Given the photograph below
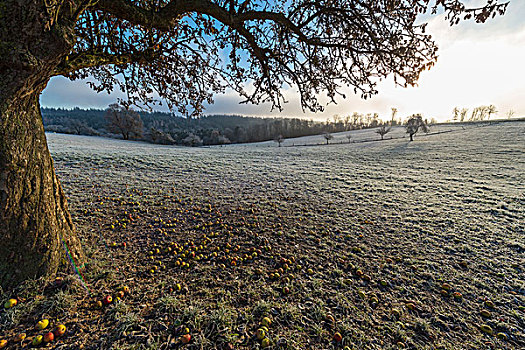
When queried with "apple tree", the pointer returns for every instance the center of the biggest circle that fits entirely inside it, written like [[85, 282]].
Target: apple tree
[[181, 53]]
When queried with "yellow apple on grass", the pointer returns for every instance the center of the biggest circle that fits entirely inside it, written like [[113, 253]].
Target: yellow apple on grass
[[485, 313], [486, 329], [489, 303], [60, 330], [3, 343], [266, 321], [42, 324], [10, 303], [261, 334], [37, 340], [265, 343], [502, 336]]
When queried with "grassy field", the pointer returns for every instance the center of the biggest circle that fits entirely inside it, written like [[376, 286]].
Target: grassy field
[[364, 245]]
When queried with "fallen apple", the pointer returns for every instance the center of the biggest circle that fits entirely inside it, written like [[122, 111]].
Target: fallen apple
[[266, 321], [19, 337], [60, 330], [485, 313], [396, 313], [10, 303], [265, 343], [37, 340], [489, 303], [338, 337], [3, 343], [486, 329], [457, 295], [502, 336], [186, 338], [49, 337], [107, 300], [42, 324], [260, 334]]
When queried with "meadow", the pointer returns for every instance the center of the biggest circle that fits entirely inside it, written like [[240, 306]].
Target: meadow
[[354, 245]]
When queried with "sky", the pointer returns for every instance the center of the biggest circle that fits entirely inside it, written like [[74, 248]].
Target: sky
[[478, 64]]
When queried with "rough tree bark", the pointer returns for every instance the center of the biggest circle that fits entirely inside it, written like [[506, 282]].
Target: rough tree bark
[[34, 218]]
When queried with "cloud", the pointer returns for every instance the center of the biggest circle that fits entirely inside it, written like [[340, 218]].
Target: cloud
[[64, 93]]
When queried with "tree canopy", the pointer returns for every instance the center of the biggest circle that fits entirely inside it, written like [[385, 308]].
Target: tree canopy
[[182, 52]]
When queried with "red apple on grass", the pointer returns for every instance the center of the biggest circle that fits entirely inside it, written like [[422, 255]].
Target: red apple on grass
[[49, 337]]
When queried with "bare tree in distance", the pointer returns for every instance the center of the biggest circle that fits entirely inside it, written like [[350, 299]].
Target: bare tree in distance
[[463, 114], [393, 119], [480, 113], [124, 121], [383, 130], [279, 139], [414, 123], [182, 52], [327, 136], [455, 113], [491, 110], [510, 114]]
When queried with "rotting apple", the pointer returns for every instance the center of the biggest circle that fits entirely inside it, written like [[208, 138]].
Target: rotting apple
[[186, 338], [338, 337], [19, 337]]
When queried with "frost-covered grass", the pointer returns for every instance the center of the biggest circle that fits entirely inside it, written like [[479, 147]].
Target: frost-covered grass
[[382, 225]]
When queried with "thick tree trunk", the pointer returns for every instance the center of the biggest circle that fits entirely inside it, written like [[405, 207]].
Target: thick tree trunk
[[35, 224]]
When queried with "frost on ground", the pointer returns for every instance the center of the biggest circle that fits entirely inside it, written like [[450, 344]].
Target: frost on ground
[[419, 220]]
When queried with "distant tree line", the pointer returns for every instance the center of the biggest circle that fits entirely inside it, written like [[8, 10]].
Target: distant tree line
[[165, 128], [479, 113]]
